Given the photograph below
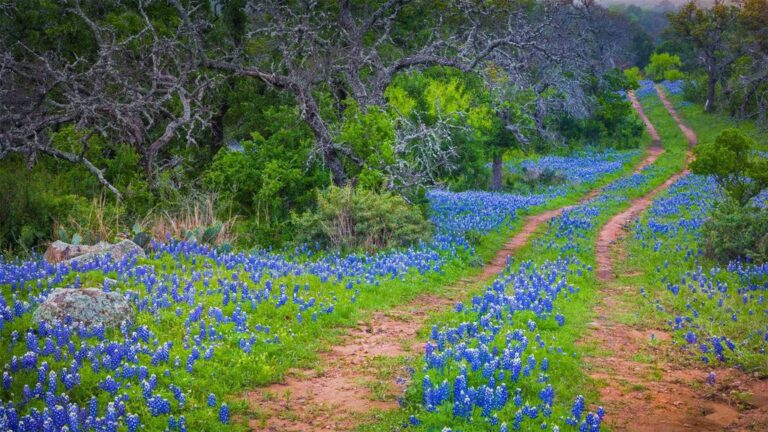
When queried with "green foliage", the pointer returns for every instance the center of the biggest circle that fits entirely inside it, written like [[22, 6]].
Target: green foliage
[[371, 137], [59, 194], [664, 66], [735, 231], [642, 47], [34, 200], [458, 99], [613, 122], [633, 76], [695, 88], [733, 161], [267, 178], [350, 219]]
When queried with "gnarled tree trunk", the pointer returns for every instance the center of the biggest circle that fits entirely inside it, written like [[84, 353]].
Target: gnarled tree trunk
[[496, 176], [709, 105]]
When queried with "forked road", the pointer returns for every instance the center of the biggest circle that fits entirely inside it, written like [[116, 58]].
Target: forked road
[[336, 397], [658, 395], [532, 223]]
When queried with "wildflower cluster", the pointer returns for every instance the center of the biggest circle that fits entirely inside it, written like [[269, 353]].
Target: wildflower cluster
[[718, 313]]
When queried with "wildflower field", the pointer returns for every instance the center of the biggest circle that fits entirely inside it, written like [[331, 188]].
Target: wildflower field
[[383, 216], [211, 324]]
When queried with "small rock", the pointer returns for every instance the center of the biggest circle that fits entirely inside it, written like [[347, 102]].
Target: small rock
[[90, 306]]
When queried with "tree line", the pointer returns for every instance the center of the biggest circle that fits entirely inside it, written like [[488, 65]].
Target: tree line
[[266, 101], [725, 49]]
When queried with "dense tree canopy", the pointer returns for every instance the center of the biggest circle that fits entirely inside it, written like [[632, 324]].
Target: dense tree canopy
[[728, 43], [393, 95]]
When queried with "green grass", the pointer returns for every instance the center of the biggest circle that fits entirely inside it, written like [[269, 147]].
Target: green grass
[[708, 126]]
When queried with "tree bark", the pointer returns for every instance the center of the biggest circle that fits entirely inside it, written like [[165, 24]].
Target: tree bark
[[310, 112], [338, 173], [497, 173], [709, 105]]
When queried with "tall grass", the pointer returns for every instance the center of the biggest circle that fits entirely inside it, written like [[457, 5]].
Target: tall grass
[[190, 217]]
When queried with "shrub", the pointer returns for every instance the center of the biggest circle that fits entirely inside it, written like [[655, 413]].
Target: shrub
[[32, 203], [347, 218], [664, 66], [263, 180], [633, 76], [732, 159], [734, 232]]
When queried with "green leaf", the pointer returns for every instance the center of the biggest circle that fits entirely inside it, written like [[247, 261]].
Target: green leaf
[[210, 234], [62, 234]]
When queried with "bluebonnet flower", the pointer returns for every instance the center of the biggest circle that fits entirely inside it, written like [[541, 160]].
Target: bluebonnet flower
[[224, 413], [158, 406], [7, 380], [578, 407], [133, 422], [109, 385], [560, 319]]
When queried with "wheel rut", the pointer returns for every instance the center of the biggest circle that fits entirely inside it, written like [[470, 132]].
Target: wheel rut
[[347, 384], [646, 385], [614, 228]]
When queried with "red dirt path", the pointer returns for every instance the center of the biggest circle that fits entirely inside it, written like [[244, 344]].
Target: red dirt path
[[641, 113], [339, 396], [648, 387], [613, 229]]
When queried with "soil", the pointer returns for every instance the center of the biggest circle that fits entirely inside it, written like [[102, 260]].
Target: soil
[[640, 113], [646, 383], [338, 397], [614, 228], [690, 135]]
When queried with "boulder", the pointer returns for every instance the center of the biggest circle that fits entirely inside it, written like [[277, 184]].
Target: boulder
[[90, 306], [125, 247], [59, 251], [67, 253]]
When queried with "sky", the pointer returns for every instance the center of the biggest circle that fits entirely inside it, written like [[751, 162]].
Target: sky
[[648, 4]]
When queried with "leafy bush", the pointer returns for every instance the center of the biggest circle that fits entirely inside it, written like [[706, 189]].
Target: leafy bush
[[633, 76], [262, 180], [347, 218], [33, 201], [735, 231], [734, 162], [612, 121], [664, 66]]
